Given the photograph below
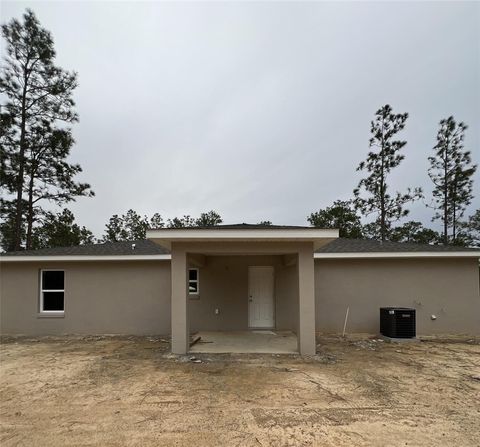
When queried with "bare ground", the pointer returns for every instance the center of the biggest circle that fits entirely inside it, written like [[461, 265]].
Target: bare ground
[[129, 391]]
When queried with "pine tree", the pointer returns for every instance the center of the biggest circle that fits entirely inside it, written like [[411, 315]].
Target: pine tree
[[414, 232], [156, 221], [7, 223], [341, 215], [380, 161], [451, 172], [48, 175], [130, 226], [60, 230], [39, 103], [182, 222], [469, 233], [209, 219], [7, 149]]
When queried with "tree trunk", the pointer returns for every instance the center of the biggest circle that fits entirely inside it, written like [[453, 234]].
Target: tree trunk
[[445, 195], [454, 212], [383, 229], [19, 199], [454, 227], [445, 217], [30, 209]]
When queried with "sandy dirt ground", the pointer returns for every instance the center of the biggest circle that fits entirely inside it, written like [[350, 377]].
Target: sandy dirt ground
[[128, 391]]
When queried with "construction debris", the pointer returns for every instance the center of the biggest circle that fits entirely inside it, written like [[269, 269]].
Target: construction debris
[[195, 340]]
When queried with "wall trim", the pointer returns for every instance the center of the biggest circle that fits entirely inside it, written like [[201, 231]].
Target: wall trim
[[168, 257], [69, 258], [386, 255]]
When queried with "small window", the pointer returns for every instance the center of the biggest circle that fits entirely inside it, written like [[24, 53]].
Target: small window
[[193, 284], [52, 290]]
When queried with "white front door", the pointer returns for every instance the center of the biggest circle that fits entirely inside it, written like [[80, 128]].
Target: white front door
[[261, 302]]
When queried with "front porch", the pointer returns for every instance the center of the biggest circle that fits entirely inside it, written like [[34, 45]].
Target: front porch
[[245, 279], [245, 342]]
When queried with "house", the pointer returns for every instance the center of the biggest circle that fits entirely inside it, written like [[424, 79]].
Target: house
[[237, 278]]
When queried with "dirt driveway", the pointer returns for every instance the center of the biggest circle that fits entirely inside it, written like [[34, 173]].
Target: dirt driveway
[[113, 391]]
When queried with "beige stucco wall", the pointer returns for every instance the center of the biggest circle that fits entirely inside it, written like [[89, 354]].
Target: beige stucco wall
[[447, 288], [287, 298], [100, 298], [224, 286], [134, 297]]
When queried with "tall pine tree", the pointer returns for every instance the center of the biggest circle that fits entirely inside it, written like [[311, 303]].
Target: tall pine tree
[[451, 172], [38, 105], [384, 156]]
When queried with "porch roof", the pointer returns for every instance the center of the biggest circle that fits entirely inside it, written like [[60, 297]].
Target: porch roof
[[243, 232]]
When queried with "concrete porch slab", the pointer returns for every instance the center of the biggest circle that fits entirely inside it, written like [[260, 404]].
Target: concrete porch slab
[[246, 342]]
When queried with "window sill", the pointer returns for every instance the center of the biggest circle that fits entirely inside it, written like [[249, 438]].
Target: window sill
[[194, 296], [51, 315]]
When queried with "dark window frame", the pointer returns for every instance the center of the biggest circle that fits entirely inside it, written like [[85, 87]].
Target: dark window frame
[[196, 282], [42, 291]]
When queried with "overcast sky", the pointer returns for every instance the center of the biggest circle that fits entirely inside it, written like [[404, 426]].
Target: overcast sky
[[260, 111]]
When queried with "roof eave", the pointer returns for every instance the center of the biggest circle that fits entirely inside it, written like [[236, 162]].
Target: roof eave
[[404, 255], [319, 237]]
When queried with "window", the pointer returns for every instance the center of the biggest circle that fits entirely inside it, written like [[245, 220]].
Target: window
[[193, 284], [52, 290]]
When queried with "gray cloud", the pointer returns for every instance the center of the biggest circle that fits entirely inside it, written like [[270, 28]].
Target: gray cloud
[[257, 110]]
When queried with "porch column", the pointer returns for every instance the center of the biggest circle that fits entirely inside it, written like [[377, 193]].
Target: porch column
[[306, 301], [180, 329]]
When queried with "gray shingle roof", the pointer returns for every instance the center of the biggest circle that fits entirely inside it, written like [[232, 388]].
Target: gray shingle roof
[[147, 247], [343, 245], [142, 247]]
